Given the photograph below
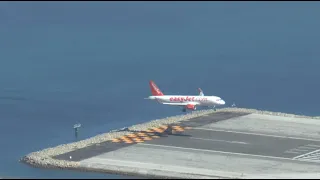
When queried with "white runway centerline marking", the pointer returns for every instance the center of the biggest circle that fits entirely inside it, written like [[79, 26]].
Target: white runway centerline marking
[[307, 147], [257, 134], [218, 140], [213, 151], [298, 158], [314, 145]]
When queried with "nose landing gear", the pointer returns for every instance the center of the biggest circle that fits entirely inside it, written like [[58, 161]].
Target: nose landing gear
[[214, 108]]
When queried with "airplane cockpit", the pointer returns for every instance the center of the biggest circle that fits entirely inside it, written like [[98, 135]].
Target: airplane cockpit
[[220, 101]]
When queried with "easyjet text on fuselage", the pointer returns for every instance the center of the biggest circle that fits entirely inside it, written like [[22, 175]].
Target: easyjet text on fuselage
[[181, 99]]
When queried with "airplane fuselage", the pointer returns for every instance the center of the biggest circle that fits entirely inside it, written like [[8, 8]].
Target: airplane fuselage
[[200, 100], [187, 102]]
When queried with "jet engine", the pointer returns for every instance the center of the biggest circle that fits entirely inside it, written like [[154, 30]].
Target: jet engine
[[191, 107]]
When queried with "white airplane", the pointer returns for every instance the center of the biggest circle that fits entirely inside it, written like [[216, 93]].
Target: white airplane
[[187, 102]]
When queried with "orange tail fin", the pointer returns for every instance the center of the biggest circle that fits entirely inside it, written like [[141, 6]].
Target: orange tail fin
[[154, 89]]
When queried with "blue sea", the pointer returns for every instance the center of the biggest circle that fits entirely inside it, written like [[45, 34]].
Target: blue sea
[[63, 63]]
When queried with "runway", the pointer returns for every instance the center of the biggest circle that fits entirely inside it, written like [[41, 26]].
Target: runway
[[96, 149], [204, 147], [252, 144]]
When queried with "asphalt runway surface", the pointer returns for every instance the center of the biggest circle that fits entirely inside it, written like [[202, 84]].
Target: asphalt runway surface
[[191, 135], [97, 149], [238, 142]]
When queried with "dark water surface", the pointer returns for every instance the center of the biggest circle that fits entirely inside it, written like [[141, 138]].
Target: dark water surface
[[89, 62]]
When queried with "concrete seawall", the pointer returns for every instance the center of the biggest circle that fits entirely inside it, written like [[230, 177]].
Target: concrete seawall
[[45, 158]]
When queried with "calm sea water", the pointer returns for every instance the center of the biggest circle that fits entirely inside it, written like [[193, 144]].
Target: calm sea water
[[89, 63]]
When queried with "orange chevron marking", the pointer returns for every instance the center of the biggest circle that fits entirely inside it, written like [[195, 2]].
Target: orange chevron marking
[[158, 130], [132, 135], [142, 134], [138, 140], [125, 138], [115, 140]]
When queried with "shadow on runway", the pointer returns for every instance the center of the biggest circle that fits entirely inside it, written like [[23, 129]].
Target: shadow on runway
[[164, 131]]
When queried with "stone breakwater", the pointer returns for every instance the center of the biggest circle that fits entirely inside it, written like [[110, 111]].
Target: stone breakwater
[[43, 158]]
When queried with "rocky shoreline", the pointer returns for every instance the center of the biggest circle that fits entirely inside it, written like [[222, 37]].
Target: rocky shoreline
[[43, 158]]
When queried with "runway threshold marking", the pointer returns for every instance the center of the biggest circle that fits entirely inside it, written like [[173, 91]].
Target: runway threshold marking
[[297, 157], [258, 134], [218, 140]]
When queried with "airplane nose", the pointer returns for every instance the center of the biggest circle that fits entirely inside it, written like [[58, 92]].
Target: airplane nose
[[222, 102]]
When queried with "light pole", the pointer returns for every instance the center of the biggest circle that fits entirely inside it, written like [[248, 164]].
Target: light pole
[[76, 129]]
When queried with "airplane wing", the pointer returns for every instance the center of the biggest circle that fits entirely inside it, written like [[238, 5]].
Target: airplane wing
[[182, 104], [200, 92]]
